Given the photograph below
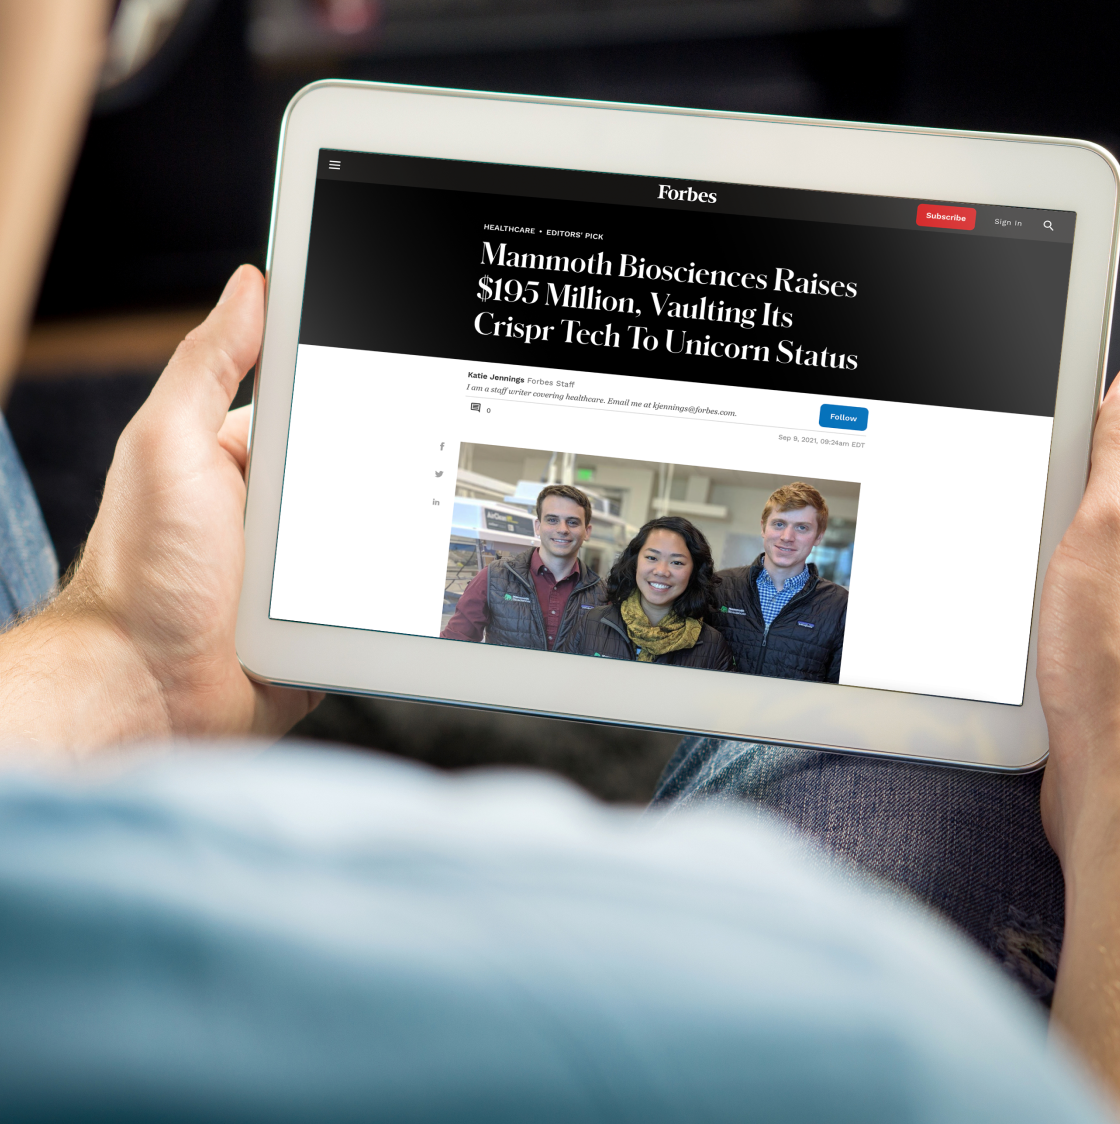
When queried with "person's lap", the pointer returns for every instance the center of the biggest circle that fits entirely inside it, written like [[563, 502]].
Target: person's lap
[[969, 844]]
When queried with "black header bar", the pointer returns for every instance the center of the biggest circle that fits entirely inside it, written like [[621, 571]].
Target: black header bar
[[696, 195], [486, 264]]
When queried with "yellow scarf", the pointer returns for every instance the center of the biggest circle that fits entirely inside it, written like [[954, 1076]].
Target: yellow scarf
[[653, 640]]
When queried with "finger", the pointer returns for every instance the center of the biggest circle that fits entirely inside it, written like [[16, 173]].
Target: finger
[[234, 435], [278, 709], [1106, 443], [207, 367]]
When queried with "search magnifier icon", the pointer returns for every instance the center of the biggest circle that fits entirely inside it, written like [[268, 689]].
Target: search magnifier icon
[[1048, 224]]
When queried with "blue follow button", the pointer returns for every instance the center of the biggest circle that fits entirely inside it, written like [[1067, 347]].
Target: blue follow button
[[843, 417]]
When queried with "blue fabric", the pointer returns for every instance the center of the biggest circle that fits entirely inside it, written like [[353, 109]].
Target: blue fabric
[[312, 936], [968, 843], [773, 600], [28, 567]]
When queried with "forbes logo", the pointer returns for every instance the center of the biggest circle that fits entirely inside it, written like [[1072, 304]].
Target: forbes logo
[[684, 194]]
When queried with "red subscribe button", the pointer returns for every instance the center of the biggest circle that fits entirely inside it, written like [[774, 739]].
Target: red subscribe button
[[955, 218]]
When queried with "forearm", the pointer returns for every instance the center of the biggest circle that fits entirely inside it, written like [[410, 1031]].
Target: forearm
[[1078, 673], [1087, 996], [70, 682], [50, 52]]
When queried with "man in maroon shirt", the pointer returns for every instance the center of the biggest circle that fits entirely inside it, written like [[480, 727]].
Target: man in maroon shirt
[[535, 599]]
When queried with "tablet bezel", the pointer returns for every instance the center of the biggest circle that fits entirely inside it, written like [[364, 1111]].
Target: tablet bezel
[[865, 159]]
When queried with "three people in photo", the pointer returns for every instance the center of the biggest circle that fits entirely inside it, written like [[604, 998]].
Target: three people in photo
[[663, 601]]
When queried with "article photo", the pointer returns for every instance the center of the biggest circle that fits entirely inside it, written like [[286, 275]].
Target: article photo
[[711, 568]]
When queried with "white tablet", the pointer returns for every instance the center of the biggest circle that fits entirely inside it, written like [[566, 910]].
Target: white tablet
[[747, 426]]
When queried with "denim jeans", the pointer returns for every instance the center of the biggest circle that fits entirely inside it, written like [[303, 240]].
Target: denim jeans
[[968, 843], [28, 567]]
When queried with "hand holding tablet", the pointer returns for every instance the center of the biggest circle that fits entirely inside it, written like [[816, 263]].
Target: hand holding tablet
[[870, 410], [139, 644]]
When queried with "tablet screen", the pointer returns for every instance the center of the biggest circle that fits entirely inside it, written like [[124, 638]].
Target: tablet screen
[[745, 430]]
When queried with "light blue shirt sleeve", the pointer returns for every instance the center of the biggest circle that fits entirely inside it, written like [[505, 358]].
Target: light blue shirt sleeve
[[319, 936]]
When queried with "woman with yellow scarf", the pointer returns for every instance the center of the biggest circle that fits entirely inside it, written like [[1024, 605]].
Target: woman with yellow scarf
[[660, 595]]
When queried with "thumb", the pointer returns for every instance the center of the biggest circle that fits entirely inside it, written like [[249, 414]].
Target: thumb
[[208, 366]]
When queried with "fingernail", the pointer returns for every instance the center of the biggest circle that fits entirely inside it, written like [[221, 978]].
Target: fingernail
[[231, 285]]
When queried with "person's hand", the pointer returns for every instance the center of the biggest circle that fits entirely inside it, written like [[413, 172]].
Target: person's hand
[[164, 559], [1079, 682], [141, 642], [1079, 656]]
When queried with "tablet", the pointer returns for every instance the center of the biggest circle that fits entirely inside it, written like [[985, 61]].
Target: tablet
[[747, 426]]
